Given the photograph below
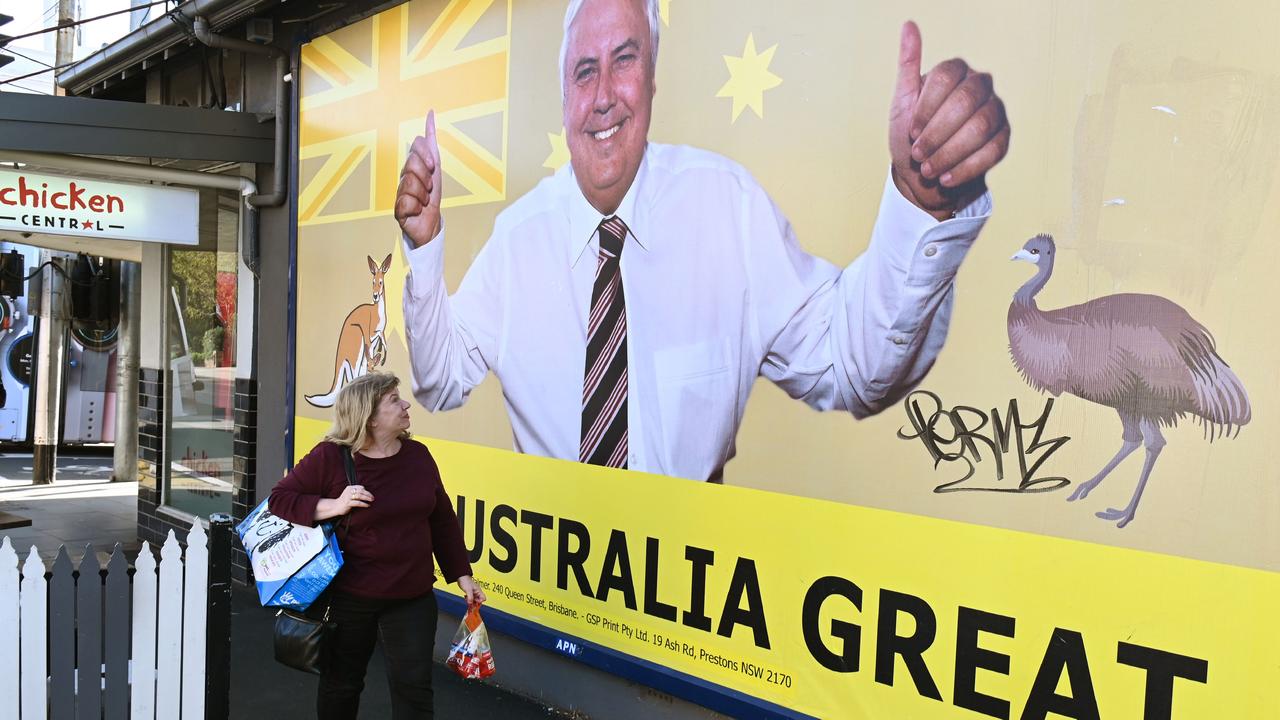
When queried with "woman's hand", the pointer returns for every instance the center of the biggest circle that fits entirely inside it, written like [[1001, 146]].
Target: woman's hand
[[355, 496], [471, 589]]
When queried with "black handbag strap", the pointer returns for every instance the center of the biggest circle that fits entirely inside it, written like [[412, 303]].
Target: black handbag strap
[[349, 463]]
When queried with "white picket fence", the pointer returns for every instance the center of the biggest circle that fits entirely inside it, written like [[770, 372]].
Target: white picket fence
[[166, 674]]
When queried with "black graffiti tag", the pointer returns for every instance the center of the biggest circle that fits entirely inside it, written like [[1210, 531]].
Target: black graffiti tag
[[961, 433]]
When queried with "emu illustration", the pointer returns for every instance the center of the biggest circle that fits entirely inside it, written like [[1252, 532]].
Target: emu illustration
[[1142, 355]]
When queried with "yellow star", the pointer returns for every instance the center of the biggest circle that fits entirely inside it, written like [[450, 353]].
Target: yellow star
[[664, 11], [749, 77], [559, 151]]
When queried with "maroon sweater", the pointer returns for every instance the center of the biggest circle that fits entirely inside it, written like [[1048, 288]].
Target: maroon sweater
[[386, 547]]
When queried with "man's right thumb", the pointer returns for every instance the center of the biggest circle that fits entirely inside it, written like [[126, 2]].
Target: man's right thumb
[[908, 61]]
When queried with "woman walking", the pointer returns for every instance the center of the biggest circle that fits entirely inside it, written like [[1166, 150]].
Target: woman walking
[[394, 518]]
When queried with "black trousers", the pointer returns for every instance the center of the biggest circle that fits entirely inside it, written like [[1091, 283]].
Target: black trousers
[[407, 631]]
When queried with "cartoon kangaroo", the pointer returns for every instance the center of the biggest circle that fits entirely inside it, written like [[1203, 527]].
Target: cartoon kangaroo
[[361, 346]]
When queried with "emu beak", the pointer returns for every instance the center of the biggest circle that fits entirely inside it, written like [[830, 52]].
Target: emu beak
[[1024, 255]]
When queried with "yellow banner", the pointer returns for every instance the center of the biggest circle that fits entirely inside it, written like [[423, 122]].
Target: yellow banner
[[957, 553], [840, 611]]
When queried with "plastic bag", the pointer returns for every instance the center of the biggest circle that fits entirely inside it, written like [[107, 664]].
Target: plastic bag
[[470, 655], [292, 564]]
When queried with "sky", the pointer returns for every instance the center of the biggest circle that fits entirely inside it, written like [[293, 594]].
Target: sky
[[30, 15]]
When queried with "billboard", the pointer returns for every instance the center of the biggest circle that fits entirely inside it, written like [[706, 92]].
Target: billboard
[[1007, 466]]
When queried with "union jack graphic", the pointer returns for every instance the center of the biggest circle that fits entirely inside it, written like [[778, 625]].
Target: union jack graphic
[[365, 91]]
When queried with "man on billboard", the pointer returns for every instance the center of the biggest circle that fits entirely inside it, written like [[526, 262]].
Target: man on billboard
[[628, 303]]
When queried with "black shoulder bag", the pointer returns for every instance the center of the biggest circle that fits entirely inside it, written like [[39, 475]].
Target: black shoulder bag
[[300, 640]]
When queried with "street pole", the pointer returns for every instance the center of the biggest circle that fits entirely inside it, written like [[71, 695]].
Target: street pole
[[66, 39], [126, 450], [51, 353], [217, 677], [50, 362]]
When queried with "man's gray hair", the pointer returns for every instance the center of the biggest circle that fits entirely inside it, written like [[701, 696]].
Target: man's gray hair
[[570, 13]]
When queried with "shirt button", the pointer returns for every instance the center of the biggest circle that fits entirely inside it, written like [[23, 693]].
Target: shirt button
[[899, 340], [931, 250]]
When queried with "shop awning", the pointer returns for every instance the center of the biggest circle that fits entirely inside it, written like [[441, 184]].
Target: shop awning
[[86, 126]]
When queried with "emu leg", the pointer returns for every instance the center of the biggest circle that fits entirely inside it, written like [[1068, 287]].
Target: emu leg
[[1132, 439], [1155, 442]]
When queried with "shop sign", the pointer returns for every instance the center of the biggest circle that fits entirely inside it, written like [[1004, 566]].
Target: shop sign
[[86, 207]]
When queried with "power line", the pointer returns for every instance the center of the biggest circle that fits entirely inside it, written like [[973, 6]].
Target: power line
[[145, 17], [28, 57], [74, 23], [60, 26], [6, 81], [33, 90], [53, 7]]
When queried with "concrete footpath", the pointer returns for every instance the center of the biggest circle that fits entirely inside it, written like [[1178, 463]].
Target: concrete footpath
[[262, 688], [82, 508]]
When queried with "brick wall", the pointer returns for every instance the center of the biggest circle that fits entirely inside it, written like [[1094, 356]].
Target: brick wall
[[152, 526], [245, 467]]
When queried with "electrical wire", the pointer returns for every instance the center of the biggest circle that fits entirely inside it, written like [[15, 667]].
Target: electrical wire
[[36, 91], [62, 26], [8, 81], [74, 23], [28, 57]]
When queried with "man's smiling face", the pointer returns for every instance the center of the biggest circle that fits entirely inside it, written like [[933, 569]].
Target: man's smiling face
[[608, 98]]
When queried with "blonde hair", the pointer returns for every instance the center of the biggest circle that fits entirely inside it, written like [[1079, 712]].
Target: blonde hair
[[356, 405]]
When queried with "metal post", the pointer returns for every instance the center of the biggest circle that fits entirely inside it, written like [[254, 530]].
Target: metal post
[[126, 450], [217, 683], [50, 363]]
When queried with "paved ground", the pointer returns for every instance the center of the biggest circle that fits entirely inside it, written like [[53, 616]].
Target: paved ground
[[84, 508], [262, 688]]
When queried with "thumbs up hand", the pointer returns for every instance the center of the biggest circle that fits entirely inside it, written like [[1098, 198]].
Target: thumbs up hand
[[946, 130], [417, 205]]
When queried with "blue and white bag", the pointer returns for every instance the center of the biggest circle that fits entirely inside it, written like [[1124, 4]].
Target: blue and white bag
[[292, 563]]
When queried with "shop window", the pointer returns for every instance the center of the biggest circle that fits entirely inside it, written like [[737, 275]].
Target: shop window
[[201, 330]]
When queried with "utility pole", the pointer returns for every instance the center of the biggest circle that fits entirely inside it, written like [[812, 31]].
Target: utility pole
[[126, 450], [51, 361], [52, 351], [65, 48]]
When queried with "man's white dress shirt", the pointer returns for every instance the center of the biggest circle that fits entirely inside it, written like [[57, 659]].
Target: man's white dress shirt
[[718, 292]]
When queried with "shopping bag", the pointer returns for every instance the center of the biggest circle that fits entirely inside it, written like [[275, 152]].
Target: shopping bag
[[292, 564], [470, 655]]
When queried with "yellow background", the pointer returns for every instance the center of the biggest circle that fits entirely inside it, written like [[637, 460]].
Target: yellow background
[[1222, 614], [1083, 83]]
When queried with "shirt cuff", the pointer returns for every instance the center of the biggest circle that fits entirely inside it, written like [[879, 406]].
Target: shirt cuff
[[426, 265], [452, 574], [928, 251]]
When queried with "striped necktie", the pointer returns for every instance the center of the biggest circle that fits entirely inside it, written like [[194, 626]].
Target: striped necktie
[[604, 388]]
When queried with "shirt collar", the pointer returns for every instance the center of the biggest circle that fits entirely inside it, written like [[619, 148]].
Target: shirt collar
[[584, 219]]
